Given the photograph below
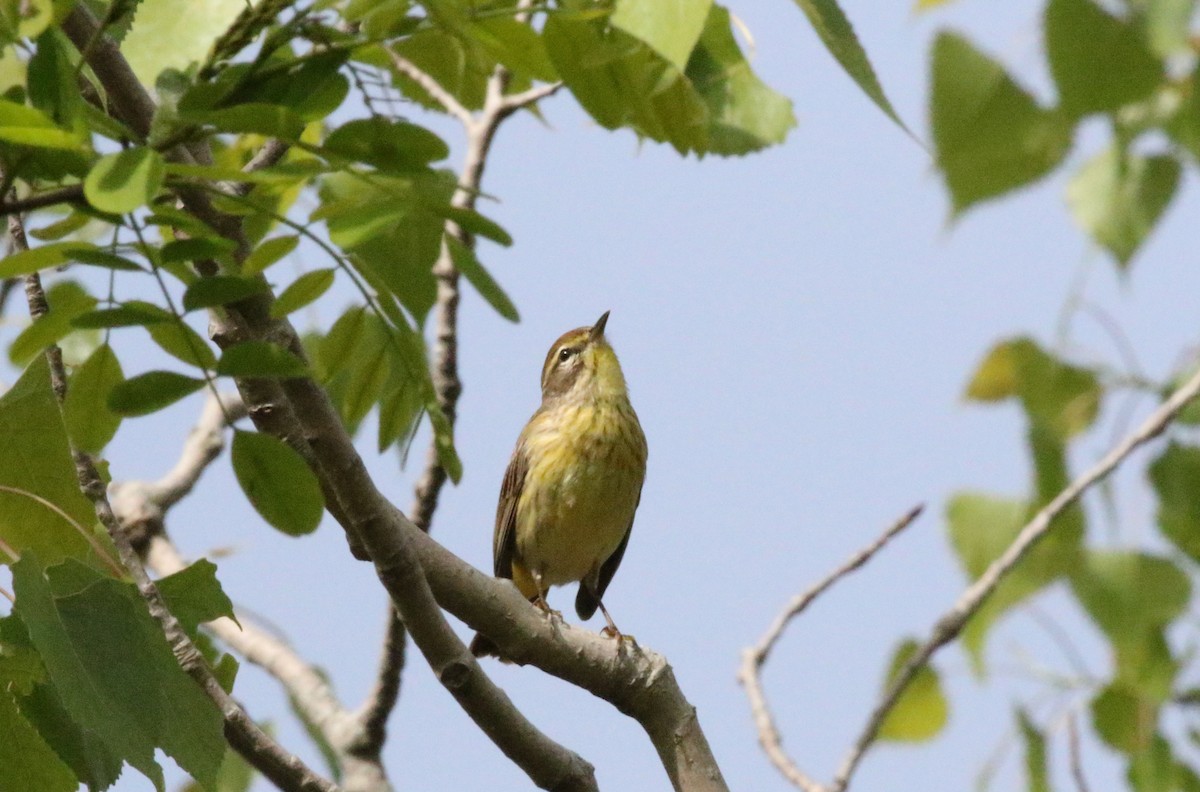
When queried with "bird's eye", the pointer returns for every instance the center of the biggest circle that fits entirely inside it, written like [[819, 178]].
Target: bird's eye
[[565, 353]]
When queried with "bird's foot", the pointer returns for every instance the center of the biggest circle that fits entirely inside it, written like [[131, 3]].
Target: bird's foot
[[551, 614]]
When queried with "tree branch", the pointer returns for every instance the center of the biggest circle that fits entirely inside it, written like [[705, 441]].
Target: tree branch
[[285, 770], [431, 86], [70, 194], [754, 657], [141, 508], [951, 623], [480, 132]]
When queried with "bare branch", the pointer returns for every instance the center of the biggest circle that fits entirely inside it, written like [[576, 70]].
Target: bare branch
[[431, 86], [285, 770], [514, 102], [951, 623], [141, 508], [755, 656], [1073, 752], [271, 153], [69, 194]]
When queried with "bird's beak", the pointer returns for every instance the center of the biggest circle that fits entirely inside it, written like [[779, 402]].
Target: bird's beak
[[597, 331]]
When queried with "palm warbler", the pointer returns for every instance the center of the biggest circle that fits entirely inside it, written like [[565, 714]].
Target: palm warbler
[[574, 481]]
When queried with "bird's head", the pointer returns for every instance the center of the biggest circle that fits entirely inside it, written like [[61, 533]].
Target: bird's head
[[580, 364]]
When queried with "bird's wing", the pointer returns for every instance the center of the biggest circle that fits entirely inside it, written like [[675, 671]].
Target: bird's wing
[[504, 541], [609, 567]]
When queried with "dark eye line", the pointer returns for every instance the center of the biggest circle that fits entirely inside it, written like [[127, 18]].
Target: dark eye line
[[565, 353]]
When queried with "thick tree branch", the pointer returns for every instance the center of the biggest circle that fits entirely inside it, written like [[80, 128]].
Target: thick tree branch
[[755, 656], [415, 569], [285, 770], [480, 132], [359, 506], [951, 623]]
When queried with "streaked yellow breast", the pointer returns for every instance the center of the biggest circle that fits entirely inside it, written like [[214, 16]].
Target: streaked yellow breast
[[586, 464]]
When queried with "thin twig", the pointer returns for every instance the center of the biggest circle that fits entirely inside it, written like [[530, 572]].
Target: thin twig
[[259, 749], [432, 87], [514, 102], [1074, 756], [755, 656], [70, 194], [142, 506], [951, 623]]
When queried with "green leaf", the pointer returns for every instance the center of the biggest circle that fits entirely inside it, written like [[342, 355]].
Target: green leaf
[[1123, 719], [67, 300], [393, 146], [1035, 753], [1130, 594], [60, 228], [151, 392], [194, 595], [981, 528], [267, 253], [1166, 24], [260, 359], [277, 482], [670, 27], [1118, 198], [518, 46], [303, 291], [220, 290], [269, 120], [745, 114], [391, 230], [1098, 61], [179, 340], [1063, 398], [470, 268], [473, 222], [114, 671], [90, 423], [132, 314], [82, 750], [989, 134], [121, 182], [622, 82], [1174, 476], [51, 79], [27, 126], [35, 458], [39, 258], [26, 761], [162, 37], [835, 32], [921, 711], [102, 258], [443, 440], [196, 249], [460, 69], [399, 408]]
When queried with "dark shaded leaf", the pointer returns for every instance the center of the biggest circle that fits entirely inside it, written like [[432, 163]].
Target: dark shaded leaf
[[277, 482], [220, 290], [151, 392], [260, 359], [470, 268], [90, 423]]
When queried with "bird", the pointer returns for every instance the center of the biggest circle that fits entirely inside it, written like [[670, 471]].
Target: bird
[[574, 482]]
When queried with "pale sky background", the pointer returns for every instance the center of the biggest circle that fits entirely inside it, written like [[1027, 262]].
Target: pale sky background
[[796, 328]]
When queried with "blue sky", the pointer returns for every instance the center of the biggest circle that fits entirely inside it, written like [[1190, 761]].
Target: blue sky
[[796, 328]]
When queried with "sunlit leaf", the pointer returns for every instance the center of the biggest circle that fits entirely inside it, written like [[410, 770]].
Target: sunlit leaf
[[122, 182], [670, 28], [989, 134], [922, 710], [1118, 198]]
